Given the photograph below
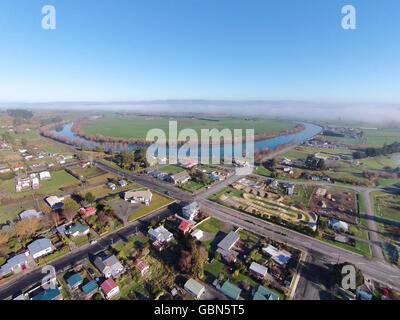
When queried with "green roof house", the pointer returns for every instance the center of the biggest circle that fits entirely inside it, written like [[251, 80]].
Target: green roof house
[[89, 287], [75, 280], [262, 293], [78, 230], [230, 290], [50, 294]]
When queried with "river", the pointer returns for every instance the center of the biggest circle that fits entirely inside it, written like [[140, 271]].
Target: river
[[310, 131]]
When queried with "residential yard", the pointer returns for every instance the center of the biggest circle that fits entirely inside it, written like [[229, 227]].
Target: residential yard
[[157, 202], [191, 186], [212, 225], [172, 168]]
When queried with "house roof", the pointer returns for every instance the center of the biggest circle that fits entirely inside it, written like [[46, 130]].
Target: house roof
[[87, 211], [279, 256], [180, 176], [13, 262], [74, 279], [190, 208], [229, 241], [140, 264], [77, 228], [39, 245], [194, 286], [231, 290], [160, 233], [185, 225], [28, 214], [145, 194], [339, 224], [108, 285], [89, 287], [258, 268], [49, 294], [263, 293]]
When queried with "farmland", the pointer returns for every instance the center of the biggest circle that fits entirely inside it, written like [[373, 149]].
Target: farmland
[[137, 126]]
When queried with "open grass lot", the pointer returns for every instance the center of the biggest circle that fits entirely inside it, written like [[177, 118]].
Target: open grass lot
[[211, 225], [262, 171], [137, 126], [172, 168], [58, 180], [372, 137], [387, 205], [157, 202], [191, 186]]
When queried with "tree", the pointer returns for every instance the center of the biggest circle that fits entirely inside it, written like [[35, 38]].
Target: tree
[[89, 197], [185, 261], [26, 228], [321, 164], [4, 237], [69, 214]]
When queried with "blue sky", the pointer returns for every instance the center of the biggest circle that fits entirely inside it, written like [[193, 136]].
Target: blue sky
[[120, 50]]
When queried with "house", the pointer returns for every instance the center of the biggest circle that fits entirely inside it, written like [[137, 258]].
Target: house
[[109, 266], [185, 226], [179, 178], [84, 164], [75, 280], [198, 234], [15, 264], [338, 225], [44, 175], [225, 247], [143, 196], [110, 288], [258, 269], [77, 230], [89, 287], [111, 185], [230, 290], [28, 157], [160, 234], [315, 178], [341, 238], [49, 164], [142, 266], [289, 188], [29, 214], [189, 164], [49, 294], [35, 183], [195, 288], [88, 212], [40, 247], [122, 183], [363, 295], [321, 192], [281, 257], [190, 211], [18, 167], [22, 150], [229, 241], [55, 202], [260, 292], [273, 183], [4, 169]]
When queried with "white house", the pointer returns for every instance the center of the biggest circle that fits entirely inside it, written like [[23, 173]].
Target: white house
[[338, 225], [161, 234], [198, 234], [195, 288], [15, 264], [40, 247], [44, 175], [55, 202], [143, 196], [258, 269], [29, 214], [279, 256], [190, 211]]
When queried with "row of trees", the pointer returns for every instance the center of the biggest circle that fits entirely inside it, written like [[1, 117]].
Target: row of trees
[[193, 258], [373, 152]]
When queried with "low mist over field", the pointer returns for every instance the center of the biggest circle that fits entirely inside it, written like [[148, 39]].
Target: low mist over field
[[278, 109]]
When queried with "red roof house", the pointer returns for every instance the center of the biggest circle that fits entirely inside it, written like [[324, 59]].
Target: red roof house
[[185, 226], [87, 211], [141, 266], [110, 288]]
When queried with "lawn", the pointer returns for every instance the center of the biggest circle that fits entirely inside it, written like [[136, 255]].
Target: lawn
[[387, 205], [212, 225], [157, 202], [172, 169], [138, 126], [191, 186], [262, 171], [58, 180]]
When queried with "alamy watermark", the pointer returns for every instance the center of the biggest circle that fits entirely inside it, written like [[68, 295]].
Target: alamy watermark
[[226, 146], [49, 20], [349, 277]]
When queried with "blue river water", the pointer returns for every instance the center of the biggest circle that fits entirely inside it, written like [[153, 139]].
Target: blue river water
[[310, 131]]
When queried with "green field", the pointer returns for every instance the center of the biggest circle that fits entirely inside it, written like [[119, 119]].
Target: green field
[[58, 180], [212, 225], [387, 205], [172, 169], [191, 186], [372, 137], [138, 126]]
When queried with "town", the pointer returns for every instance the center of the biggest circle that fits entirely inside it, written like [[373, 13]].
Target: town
[[118, 227]]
